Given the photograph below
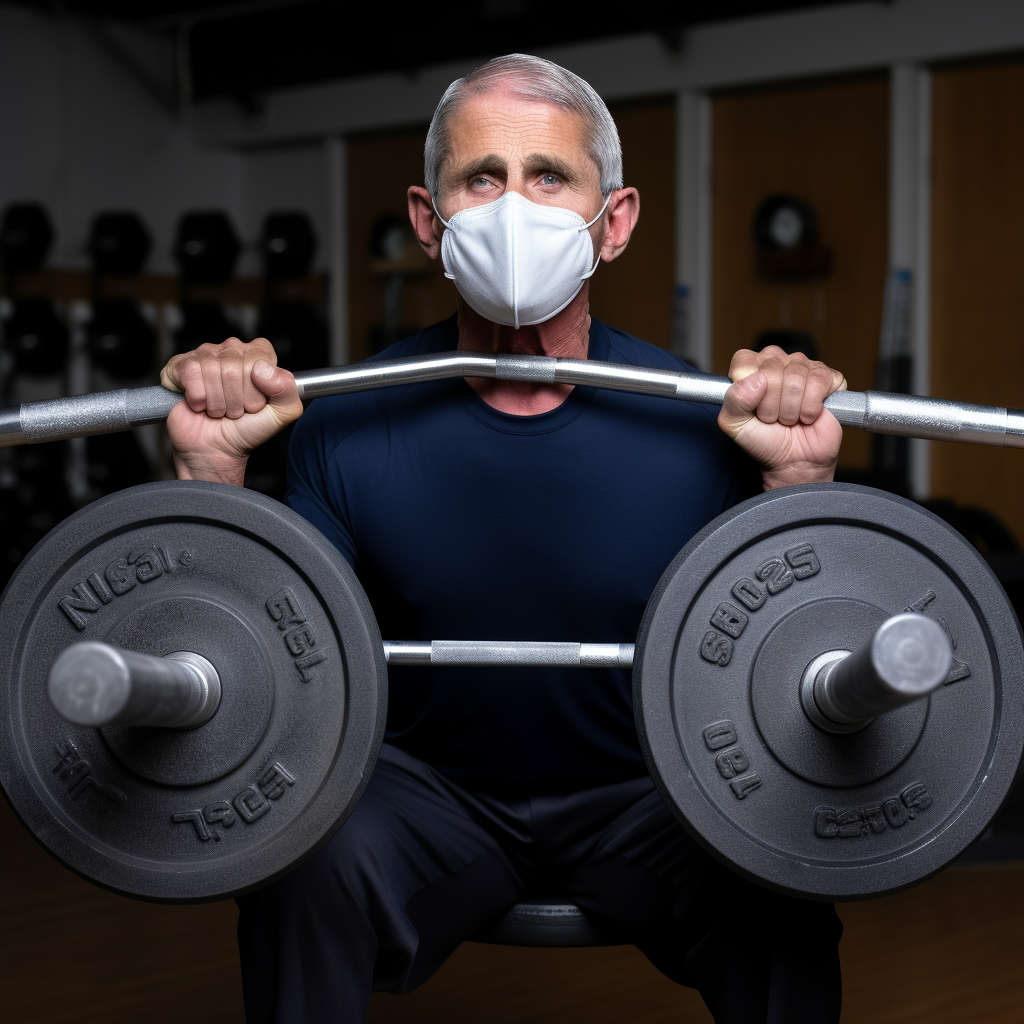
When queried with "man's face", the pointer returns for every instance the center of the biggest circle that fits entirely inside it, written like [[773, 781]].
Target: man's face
[[503, 143]]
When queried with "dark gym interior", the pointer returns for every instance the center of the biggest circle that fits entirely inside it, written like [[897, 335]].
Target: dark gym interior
[[177, 172]]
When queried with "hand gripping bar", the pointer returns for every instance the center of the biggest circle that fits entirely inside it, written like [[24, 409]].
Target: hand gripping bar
[[904, 415]]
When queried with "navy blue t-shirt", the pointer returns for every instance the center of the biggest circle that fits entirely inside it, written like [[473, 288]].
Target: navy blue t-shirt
[[466, 523]]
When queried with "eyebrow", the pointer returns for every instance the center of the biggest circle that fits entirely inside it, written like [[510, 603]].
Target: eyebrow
[[542, 162], [533, 163], [491, 162]]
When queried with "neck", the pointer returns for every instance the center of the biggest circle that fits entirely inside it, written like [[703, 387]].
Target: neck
[[566, 336]]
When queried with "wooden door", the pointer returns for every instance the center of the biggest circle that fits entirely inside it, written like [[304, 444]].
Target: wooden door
[[978, 273], [634, 291]]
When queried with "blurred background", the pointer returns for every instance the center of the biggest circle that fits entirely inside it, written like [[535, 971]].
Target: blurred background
[[840, 178]]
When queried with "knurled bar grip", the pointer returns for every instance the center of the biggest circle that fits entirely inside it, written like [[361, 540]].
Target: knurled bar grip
[[904, 415], [509, 653]]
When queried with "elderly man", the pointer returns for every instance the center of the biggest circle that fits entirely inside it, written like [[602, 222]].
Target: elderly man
[[495, 509]]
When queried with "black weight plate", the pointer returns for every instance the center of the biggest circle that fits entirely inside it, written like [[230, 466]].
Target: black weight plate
[[208, 813], [801, 571]]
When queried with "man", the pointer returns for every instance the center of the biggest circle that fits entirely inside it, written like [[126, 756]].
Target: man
[[494, 509]]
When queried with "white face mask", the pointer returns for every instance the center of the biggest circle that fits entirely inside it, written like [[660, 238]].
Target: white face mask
[[515, 262]]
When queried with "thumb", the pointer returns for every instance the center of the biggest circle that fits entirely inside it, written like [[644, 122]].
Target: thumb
[[276, 383], [741, 402], [281, 391]]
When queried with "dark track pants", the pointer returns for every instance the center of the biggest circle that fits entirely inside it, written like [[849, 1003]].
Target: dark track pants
[[422, 864]]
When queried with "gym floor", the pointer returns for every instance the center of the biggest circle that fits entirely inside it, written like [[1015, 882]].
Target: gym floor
[[948, 951]]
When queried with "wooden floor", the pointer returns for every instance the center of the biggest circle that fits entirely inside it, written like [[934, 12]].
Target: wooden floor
[[947, 952]]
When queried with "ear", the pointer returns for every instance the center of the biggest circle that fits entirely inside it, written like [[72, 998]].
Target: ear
[[425, 222], [621, 217]]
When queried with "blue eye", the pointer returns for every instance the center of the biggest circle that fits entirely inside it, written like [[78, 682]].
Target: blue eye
[[550, 179]]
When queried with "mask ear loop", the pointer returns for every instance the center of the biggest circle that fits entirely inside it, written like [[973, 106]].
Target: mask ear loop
[[437, 212], [590, 273]]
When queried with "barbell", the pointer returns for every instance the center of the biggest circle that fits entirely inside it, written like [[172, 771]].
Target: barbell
[[881, 412], [828, 688]]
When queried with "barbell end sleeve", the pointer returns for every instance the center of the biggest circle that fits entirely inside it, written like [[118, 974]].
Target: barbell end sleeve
[[97, 684], [907, 658]]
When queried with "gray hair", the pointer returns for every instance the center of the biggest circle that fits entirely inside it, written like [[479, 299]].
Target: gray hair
[[532, 78]]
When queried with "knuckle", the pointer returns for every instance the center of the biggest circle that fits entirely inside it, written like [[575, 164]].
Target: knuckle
[[190, 371], [231, 369]]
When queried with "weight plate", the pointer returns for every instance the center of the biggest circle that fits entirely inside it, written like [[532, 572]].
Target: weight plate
[[212, 812], [733, 624]]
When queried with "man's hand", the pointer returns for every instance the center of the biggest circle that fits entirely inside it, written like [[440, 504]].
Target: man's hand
[[236, 397], [774, 412]]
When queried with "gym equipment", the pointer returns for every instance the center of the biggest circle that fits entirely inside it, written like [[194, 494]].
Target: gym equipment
[[827, 682], [37, 337], [769, 753], [547, 653], [200, 587], [26, 235], [118, 243], [121, 341], [206, 248], [287, 245], [547, 922], [902, 415]]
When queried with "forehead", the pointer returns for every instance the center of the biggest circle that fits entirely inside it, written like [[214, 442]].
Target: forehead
[[510, 126]]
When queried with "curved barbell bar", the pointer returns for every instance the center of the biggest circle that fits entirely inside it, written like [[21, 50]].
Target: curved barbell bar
[[878, 411]]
